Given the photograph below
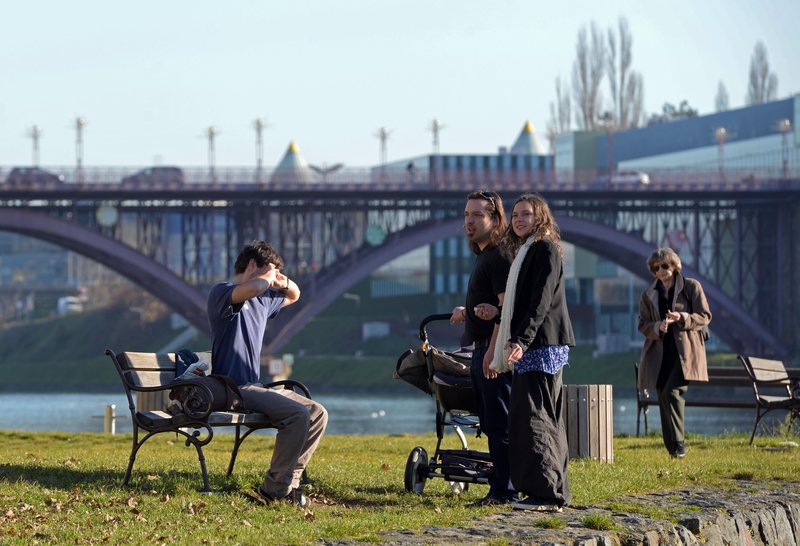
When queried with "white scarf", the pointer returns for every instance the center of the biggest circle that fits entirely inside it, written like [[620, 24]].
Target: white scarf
[[500, 361]]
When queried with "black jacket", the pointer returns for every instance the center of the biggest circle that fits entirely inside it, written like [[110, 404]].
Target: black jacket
[[540, 304]]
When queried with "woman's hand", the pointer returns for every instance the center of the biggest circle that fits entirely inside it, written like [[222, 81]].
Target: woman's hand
[[488, 373], [514, 352], [459, 315]]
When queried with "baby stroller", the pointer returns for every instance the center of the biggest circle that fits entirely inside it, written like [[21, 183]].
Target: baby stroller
[[445, 377]]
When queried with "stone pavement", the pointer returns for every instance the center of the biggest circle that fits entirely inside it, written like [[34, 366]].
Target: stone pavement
[[757, 513]]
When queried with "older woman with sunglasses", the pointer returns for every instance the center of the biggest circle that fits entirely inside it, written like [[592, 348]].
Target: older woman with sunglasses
[[673, 316]]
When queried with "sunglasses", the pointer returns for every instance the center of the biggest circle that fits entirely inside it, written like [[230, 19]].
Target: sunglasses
[[489, 197], [661, 266]]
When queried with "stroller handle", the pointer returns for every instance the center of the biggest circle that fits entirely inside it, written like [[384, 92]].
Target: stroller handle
[[423, 335]]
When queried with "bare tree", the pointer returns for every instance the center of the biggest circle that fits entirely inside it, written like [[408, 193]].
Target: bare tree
[[634, 101], [561, 111], [587, 75], [763, 84], [627, 93], [560, 115], [721, 99]]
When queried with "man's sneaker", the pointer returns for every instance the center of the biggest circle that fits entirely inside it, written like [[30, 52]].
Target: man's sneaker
[[295, 497], [536, 505]]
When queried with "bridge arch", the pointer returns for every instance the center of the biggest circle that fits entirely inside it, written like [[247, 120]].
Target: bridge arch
[[157, 279], [731, 322]]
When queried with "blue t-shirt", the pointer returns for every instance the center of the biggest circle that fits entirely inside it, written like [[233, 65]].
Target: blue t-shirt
[[237, 331]]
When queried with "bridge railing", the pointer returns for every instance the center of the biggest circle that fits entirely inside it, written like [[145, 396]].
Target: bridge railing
[[199, 179]]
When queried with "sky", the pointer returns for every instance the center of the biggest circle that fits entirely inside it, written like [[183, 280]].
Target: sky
[[150, 77]]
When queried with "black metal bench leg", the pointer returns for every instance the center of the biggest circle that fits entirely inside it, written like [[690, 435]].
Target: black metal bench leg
[[132, 458], [646, 410], [755, 426], [235, 452], [206, 486], [638, 417]]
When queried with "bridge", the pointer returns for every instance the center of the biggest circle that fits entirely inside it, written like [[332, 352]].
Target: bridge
[[736, 230]]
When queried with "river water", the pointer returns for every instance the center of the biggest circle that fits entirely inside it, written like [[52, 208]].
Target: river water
[[353, 413]]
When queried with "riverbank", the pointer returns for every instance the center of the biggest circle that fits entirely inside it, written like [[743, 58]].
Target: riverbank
[[753, 512]]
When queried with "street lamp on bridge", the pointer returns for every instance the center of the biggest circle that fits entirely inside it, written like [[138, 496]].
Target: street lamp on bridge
[[436, 127], [784, 126], [80, 123], [259, 125], [211, 134], [35, 132], [382, 134], [720, 134]]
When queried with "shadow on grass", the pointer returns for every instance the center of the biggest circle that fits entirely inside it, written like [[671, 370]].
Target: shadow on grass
[[69, 478]]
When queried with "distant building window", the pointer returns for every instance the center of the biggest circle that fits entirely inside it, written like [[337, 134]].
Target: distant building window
[[452, 247]]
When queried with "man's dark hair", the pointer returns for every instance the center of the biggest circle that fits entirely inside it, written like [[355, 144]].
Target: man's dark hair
[[260, 251]]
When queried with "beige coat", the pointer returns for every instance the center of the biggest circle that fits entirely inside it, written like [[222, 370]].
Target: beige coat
[[690, 301]]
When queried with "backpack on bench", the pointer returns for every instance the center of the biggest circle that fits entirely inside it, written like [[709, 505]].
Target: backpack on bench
[[193, 400]]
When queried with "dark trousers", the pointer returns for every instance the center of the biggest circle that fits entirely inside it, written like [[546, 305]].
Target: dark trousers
[[671, 387], [491, 400], [538, 437]]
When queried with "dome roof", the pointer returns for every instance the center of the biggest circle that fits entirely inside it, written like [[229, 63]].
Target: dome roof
[[292, 168], [527, 142]]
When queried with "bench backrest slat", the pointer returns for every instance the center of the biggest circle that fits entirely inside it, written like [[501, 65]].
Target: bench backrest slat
[[147, 361], [149, 378], [764, 369]]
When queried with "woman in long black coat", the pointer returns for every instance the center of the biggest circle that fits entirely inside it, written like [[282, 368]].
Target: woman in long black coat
[[534, 338]]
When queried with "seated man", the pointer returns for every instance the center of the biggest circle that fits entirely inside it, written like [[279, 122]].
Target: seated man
[[238, 312]]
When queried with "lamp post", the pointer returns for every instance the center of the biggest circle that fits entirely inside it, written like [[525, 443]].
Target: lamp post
[[720, 134], [211, 134], [608, 121], [80, 123], [382, 134], [436, 127], [784, 126], [35, 132], [259, 125]]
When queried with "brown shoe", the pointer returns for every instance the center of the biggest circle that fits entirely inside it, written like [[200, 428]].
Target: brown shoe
[[295, 496]]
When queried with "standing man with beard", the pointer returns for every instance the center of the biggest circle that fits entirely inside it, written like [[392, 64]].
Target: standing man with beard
[[485, 223]]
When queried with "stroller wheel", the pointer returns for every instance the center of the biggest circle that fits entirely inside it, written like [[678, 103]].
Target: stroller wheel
[[458, 487], [416, 469]]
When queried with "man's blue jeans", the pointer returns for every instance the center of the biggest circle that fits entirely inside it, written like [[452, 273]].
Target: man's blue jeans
[[491, 397]]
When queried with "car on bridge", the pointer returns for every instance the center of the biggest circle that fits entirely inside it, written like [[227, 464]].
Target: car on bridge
[[32, 176], [624, 177], [154, 177]]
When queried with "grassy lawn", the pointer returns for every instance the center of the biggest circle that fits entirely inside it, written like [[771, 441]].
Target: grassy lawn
[[65, 487]]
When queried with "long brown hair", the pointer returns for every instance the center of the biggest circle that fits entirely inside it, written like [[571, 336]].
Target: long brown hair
[[544, 227], [495, 208]]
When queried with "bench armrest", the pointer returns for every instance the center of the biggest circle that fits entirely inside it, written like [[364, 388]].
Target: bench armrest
[[296, 386], [196, 398]]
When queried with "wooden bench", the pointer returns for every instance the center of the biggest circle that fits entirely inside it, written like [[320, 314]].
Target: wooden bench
[[152, 376], [725, 389], [774, 387]]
